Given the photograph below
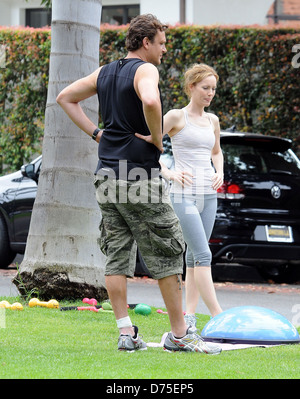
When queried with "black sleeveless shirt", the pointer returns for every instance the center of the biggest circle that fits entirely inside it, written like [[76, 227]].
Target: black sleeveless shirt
[[122, 115]]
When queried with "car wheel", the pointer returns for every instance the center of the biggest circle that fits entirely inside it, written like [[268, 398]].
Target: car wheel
[[281, 274], [6, 254]]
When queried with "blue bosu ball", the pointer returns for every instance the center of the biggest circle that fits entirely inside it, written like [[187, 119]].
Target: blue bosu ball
[[250, 325]]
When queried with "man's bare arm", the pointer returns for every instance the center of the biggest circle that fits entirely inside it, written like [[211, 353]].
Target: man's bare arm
[[146, 86], [70, 97]]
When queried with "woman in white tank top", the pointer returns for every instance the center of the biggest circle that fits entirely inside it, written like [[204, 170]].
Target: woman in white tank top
[[195, 138]]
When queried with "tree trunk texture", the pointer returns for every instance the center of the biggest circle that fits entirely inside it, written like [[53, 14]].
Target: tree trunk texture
[[62, 257]]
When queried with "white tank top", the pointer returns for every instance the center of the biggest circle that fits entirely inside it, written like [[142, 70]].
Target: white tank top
[[192, 148]]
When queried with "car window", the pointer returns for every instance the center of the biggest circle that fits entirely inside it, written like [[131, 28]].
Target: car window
[[249, 159]]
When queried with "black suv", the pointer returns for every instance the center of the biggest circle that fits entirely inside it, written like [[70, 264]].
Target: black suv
[[258, 216]]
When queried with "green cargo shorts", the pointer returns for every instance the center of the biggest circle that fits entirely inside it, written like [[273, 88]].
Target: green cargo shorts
[[139, 214]]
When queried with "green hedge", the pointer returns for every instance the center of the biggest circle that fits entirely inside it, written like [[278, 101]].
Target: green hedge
[[258, 89], [23, 94]]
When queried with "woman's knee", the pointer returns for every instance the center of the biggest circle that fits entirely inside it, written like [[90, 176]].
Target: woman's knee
[[204, 259]]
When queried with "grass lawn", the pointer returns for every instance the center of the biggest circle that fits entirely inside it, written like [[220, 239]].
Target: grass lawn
[[41, 343]]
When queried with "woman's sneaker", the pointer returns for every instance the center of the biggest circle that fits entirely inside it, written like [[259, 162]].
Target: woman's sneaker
[[130, 343], [191, 342]]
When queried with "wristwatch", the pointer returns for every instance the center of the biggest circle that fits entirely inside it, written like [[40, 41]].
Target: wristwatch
[[95, 133]]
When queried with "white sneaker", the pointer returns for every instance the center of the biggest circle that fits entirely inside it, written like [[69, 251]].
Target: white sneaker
[[191, 342]]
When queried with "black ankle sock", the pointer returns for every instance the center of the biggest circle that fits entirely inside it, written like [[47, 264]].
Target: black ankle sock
[[182, 336]]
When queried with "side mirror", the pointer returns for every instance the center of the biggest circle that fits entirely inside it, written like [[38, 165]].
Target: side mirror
[[29, 171]]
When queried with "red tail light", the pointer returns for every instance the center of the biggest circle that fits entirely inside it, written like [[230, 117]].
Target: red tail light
[[230, 191], [215, 241]]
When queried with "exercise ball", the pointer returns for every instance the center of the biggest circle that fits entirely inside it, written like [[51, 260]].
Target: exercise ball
[[250, 325]]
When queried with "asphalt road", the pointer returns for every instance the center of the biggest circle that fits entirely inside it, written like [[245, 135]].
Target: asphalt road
[[234, 287], [283, 299]]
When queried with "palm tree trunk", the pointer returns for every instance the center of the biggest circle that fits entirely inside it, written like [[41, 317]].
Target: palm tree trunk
[[62, 258]]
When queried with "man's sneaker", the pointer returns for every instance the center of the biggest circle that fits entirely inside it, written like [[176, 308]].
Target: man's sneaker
[[191, 342], [131, 343], [191, 321]]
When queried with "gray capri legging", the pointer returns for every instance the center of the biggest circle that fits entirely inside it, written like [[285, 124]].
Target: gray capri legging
[[196, 213]]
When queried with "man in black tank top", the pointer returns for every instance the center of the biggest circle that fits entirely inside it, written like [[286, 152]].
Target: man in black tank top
[[122, 115], [136, 210]]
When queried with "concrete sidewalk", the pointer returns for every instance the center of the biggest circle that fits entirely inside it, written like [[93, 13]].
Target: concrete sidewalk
[[7, 288]]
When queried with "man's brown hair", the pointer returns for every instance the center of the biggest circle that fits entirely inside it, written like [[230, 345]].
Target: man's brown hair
[[140, 27]]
